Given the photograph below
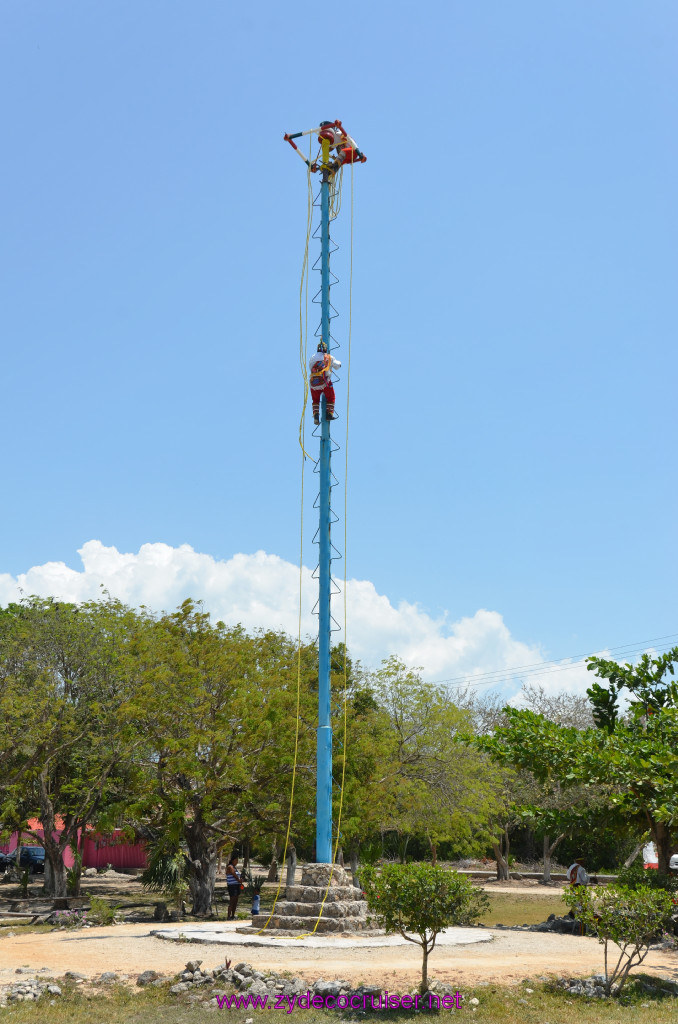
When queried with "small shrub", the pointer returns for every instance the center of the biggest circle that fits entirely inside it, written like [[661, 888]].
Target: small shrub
[[636, 877], [69, 918], [101, 912], [421, 899], [253, 883], [631, 919]]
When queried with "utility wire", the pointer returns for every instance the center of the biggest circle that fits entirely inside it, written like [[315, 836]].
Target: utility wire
[[556, 665]]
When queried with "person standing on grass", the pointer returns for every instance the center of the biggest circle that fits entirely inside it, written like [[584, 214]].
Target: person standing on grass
[[234, 883], [576, 873]]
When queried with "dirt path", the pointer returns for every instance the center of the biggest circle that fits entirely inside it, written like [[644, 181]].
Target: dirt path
[[130, 949]]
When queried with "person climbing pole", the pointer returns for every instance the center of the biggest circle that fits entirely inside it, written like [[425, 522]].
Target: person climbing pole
[[322, 364]]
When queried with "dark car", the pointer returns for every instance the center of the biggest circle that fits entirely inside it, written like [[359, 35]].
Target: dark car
[[32, 857]]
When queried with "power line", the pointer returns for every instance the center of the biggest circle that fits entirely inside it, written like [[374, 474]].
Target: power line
[[547, 667]]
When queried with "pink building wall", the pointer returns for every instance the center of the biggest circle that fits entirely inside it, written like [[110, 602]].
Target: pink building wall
[[113, 849]]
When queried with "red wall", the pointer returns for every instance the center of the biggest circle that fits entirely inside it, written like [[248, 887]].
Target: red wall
[[99, 850], [114, 850]]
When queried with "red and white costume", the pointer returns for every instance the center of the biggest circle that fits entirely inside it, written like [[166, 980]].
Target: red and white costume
[[321, 365]]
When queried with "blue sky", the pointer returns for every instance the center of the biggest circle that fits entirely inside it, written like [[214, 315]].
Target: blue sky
[[512, 426]]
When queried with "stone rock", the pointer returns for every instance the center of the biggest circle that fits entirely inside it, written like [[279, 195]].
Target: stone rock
[[474, 1002], [161, 912], [54, 990], [326, 988], [258, 988], [145, 978], [244, 969], [110, 977], [89, 872], [323, 875], [193, 966], [178, 989], [75, 976]]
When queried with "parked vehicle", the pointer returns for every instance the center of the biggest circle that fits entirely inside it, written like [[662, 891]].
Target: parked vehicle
[[32, 857]]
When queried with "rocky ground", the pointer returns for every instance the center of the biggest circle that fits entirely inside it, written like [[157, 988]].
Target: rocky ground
[[221, 986], [128, 950]]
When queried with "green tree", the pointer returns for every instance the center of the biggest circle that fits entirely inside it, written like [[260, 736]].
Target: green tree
[[419, 900], [67, 674], [630, 758], [439, 787], [631, 919], [218, 710]]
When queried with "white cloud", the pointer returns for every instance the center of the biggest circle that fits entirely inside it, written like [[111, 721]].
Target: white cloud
[[262, 590]]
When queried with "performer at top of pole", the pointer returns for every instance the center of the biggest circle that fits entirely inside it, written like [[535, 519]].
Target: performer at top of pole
[[345, 149]]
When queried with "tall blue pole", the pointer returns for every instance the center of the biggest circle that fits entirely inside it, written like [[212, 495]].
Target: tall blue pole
[[323, 839]]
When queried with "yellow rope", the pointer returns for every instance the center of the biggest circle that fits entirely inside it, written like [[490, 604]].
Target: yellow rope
[[303, 327]]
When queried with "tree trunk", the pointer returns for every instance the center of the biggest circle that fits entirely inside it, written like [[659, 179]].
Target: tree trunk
[[546, 876], [245, 854], [291, 865], [340, 857], [549, 850], [632, 856], [57, 884], [53, 849], [202, 861], [273, 870], [662, 840], [502, 863], [424, 970], [354, 864], [434, 852]]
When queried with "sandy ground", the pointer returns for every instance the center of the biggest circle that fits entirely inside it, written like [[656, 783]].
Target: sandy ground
[[129, 949]]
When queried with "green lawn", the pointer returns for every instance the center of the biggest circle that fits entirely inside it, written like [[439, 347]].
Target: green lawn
[[515, 908]]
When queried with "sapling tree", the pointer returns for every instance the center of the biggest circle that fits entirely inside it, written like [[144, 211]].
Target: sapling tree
[[418, 901], [630, 919]]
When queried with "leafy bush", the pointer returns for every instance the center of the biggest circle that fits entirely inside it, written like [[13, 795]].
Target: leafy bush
[[421, 899], [253, 883], [73, 876], [166, 869], [100, 911], [631, 919], [636, 877]]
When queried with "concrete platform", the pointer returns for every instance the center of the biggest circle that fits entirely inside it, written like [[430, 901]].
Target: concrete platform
[[224, 932]]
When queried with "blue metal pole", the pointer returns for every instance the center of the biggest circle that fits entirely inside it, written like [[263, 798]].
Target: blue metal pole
[[324, 767]]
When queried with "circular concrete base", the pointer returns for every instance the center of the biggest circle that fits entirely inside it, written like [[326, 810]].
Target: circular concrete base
[[225, 932]]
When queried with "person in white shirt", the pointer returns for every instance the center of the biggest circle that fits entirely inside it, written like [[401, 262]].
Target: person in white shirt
[[322, 364], [576, 873]]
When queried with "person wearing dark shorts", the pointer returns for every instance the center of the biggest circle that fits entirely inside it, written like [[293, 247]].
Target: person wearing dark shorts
[[234, 883]]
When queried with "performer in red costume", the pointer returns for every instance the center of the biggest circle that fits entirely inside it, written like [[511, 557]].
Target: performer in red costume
[[322, 364]]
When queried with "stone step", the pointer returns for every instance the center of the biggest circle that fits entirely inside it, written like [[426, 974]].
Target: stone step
[[358, 908], [290, 933], [316, 893], [306, 924]]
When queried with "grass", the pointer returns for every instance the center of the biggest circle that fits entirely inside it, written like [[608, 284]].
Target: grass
[[515, 908], [496, 1005]]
